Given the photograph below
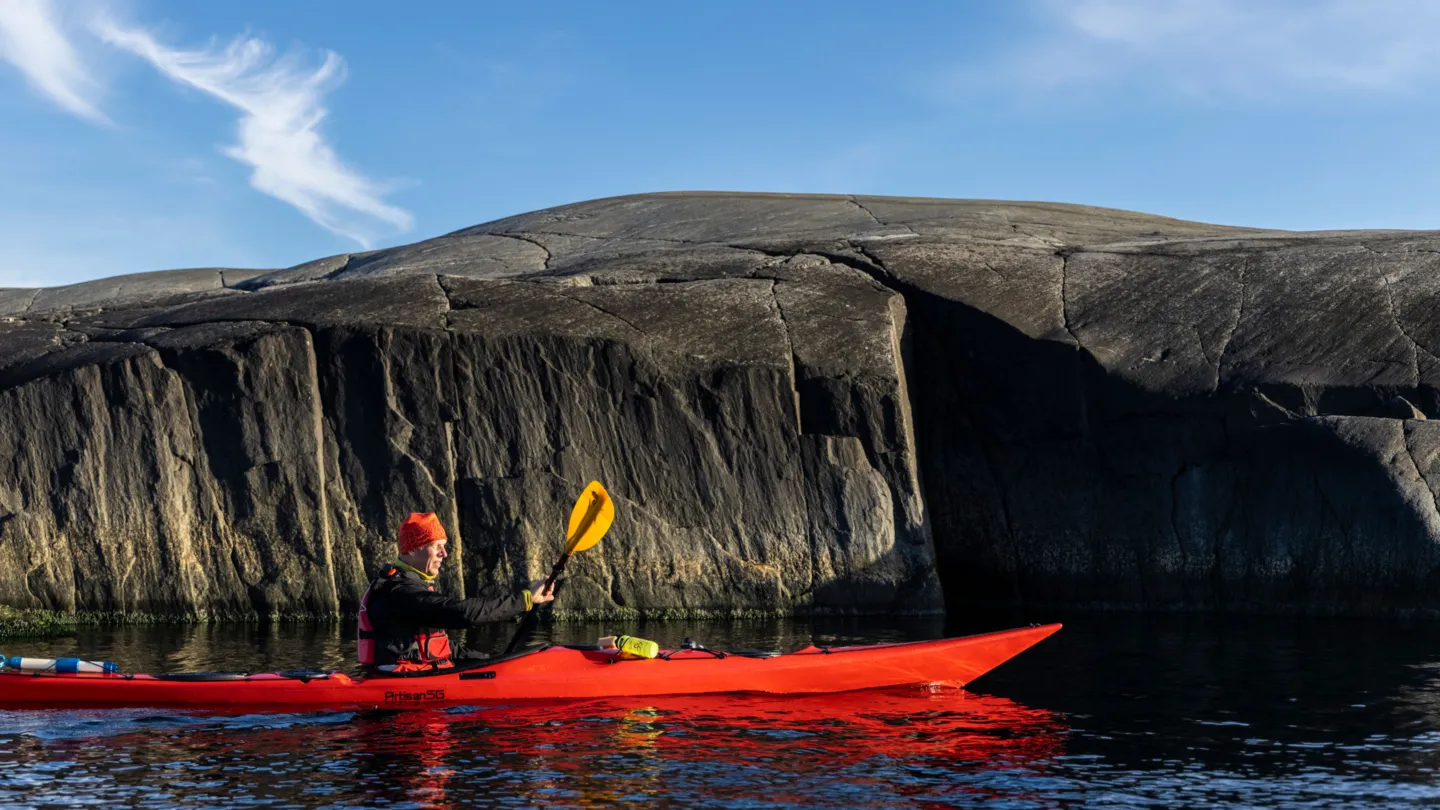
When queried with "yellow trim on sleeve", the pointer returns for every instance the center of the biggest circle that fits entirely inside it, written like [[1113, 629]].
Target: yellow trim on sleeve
[[528, 603]]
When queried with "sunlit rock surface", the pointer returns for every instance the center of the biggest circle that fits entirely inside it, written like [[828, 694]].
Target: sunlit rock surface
[[799, 402]]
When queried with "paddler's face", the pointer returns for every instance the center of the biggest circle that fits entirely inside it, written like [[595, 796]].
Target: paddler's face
[[430, 556]]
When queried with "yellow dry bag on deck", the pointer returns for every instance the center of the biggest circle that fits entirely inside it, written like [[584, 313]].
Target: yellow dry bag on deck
[[630, 647]]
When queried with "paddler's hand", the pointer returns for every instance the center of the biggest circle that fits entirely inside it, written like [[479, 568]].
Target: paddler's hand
[[540, 593]]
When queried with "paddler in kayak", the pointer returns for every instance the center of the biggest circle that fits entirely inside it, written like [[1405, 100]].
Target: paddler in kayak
[[403, 618]]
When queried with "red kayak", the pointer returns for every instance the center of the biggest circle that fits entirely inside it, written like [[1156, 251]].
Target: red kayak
[[547, 673]]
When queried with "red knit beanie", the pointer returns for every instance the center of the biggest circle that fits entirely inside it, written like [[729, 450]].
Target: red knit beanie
[[420, 529]]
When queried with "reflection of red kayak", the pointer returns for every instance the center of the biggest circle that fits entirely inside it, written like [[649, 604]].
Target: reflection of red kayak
[[883, 747], [550, 673], [789, 750], [902, 723]]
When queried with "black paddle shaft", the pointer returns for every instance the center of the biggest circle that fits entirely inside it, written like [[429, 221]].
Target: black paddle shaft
[[532, 616]]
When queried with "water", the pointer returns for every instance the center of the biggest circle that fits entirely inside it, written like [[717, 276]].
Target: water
[[1114, 711]]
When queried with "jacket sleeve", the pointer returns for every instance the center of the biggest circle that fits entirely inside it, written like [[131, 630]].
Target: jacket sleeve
[[433, 609]]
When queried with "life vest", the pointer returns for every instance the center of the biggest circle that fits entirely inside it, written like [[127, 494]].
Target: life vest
[[428, 649]]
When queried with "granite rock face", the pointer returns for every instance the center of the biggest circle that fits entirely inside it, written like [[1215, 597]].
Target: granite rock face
[[800, 403]]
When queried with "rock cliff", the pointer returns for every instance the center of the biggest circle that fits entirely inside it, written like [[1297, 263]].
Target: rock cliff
[[800, 403]]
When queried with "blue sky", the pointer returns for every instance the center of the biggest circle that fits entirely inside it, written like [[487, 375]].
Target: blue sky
[[144, 134]]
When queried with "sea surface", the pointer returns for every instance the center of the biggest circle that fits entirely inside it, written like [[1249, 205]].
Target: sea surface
[[1116, 710]]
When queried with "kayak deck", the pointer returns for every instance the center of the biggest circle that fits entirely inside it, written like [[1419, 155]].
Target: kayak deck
[[547, 673]]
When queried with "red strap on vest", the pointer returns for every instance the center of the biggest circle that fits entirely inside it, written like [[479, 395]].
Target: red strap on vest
[[429, 650], [365, 635]]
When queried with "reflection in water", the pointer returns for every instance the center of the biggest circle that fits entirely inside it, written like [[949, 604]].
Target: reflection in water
[[723, 747], [1115, 710], [877, 745]]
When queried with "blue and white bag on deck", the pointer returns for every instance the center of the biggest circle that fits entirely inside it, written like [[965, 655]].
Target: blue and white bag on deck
[[59, 666]]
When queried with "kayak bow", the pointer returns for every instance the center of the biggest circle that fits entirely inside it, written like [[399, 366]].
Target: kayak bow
[[547, 673]]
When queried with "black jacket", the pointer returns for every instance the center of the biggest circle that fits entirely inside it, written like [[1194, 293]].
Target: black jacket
[[404, 611]]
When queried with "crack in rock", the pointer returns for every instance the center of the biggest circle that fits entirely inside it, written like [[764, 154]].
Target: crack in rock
[[867, 211], [855, 202], [524, 238], [30, 302], [1415, 347], [602, 310], [1407, 431], [1065, 299], [873, 266], [1395, 317], [870, 267], [449, 304], [1234, 327], [225, 283], [1200, 342], [317, 427], [611, 238], [345, 265], [794, 361]]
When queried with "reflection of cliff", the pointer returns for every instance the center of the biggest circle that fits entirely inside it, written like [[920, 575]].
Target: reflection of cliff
[[235, 647], [800, 403], [1244, 710]]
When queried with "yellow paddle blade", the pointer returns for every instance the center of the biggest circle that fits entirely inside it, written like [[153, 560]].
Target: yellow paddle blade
[[590, 519]]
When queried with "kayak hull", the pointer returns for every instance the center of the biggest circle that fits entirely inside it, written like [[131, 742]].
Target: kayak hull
[[550, 673]]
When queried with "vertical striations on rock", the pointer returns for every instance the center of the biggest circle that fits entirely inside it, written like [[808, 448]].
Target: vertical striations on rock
[[800, 402]]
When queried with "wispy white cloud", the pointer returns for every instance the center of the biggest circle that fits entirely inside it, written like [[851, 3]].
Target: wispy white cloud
[[282, 105], [33, 39], [1224, 48]]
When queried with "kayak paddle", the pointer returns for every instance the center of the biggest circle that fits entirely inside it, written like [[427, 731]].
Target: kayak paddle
[[589, 520]]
